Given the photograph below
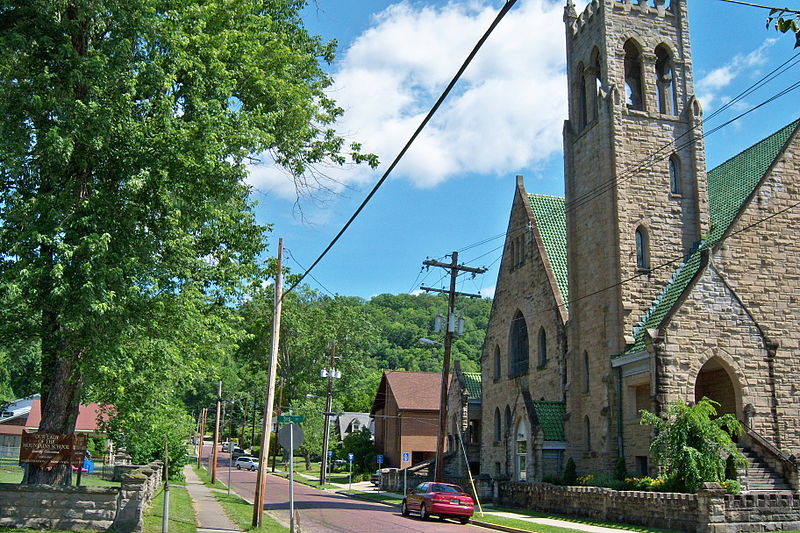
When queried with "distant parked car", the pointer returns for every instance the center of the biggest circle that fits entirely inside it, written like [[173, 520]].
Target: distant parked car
[[439, 499], [247, 462], [237, 452], [375, 478], [226, 446]]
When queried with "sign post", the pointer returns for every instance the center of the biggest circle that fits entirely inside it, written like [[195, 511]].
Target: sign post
[[406, 457], [290, 437], [350, 475]]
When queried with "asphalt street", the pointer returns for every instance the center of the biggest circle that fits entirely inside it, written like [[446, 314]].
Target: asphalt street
[[319, 511]]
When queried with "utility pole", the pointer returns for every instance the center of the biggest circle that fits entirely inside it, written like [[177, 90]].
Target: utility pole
[[258, 507], [214, 447], [202, 435], [454, 268], [331, 373]]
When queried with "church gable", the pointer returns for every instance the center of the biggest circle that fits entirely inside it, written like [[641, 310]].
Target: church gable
[[731, 187]]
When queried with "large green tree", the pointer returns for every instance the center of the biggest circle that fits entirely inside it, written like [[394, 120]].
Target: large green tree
[[125, 133]]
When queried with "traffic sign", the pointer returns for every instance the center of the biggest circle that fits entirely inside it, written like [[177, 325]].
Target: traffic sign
[[291, 419], [330, 453], [406, 457], [379, 459], [350, 457], [290, 437]]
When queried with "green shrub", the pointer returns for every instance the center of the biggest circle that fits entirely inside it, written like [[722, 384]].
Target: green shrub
[[554, 480], [731, 472], [570, 473], [732, 486], [620, 469]]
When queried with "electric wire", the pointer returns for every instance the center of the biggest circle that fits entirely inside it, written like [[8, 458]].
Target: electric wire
[[501, 14]]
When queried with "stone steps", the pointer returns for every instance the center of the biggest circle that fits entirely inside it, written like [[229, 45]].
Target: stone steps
[[759, 475]]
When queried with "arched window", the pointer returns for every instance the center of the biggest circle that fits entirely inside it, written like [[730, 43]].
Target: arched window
[[598, 82], [508, 419], [580, 77], [498, 428], [642, 249], [518, 349], [542, 347], [588, 429], [498, 371], [513, 254], [665, 82], [674, 175], [585, 372], [634, 89]]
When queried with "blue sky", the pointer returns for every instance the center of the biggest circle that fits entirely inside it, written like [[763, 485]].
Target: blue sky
[[455, 186]]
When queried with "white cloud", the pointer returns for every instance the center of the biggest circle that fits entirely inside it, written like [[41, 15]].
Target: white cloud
[[711, 86], [505, 114], [488, 292]]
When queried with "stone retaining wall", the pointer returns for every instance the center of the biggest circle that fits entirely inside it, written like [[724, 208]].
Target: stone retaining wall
[[72, 508], [711, 510]]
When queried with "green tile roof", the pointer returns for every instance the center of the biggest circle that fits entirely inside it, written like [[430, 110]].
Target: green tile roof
[[551, 419], [550, 217], [472, 382], [729, 187]]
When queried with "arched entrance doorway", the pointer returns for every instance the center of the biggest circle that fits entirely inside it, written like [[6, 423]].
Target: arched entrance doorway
[[716, 382]]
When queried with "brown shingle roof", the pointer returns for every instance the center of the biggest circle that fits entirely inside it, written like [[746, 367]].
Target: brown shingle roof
[[413, 391]]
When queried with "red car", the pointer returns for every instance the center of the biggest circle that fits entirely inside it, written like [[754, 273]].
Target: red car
[[440, 499]]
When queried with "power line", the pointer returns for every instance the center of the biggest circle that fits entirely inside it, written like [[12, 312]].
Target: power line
[[505, 9]]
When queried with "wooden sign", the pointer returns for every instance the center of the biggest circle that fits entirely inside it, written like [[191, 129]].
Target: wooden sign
[[50, 449]]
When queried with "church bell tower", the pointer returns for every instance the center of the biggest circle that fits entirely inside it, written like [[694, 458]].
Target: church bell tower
[[635, 186]]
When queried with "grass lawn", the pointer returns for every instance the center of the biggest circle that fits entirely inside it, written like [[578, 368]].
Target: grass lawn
[[13, 474], [241, 512], [181, 513], [206, 478]]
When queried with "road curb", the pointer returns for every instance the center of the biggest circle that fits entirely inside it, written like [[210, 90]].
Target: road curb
[[472, 521]]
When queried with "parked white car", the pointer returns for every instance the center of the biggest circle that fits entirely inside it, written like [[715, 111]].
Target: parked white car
[[247, 462]]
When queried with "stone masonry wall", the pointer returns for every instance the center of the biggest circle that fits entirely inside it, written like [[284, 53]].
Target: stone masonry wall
[[81, 508]]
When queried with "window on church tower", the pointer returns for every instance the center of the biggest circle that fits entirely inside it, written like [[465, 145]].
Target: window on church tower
[[598, 83], [674, 175], [542, 347], [498, 429], [642, 249], [634, 90], [585, 372], [588, 429], [518, 349], [508, 419], [580, 75], [665, 82], [497, 367]]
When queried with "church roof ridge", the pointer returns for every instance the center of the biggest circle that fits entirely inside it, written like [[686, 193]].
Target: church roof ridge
[[730, 186]]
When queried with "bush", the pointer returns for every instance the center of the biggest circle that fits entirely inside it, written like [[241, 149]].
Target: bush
[[620, 469], [554, 480], [731, 471], [732, 486], [570, 473], [693, 442]]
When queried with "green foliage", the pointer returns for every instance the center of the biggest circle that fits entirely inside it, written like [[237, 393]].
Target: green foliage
[[570, 473], [620, 469], [731, 471], [692, 442], [732, 486], [361, 445], [785, 21]]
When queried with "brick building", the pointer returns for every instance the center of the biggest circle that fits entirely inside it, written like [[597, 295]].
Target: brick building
[[652, 280], [406, 413]]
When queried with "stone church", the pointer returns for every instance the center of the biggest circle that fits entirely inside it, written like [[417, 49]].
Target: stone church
[[653, 280]]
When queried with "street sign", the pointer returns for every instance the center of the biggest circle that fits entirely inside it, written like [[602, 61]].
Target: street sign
[[290, 437], [379, 459], [406, 457], [291, 419], [330, 453], [350, 457]]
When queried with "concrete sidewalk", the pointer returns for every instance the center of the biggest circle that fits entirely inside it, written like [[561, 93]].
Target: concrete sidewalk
[[211, 517]]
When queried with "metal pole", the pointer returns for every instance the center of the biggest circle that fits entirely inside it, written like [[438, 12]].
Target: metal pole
[[448, 339], [405, 480], [202, 437], [165, 518], [230, 461], [350, 475], [328, 406], [214, 447], [291, 478], [258, 507]]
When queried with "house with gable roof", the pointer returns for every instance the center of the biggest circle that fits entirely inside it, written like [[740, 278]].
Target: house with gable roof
[[653, 280]]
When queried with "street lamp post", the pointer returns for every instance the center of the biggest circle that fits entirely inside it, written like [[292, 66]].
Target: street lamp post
[[331, 373]]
